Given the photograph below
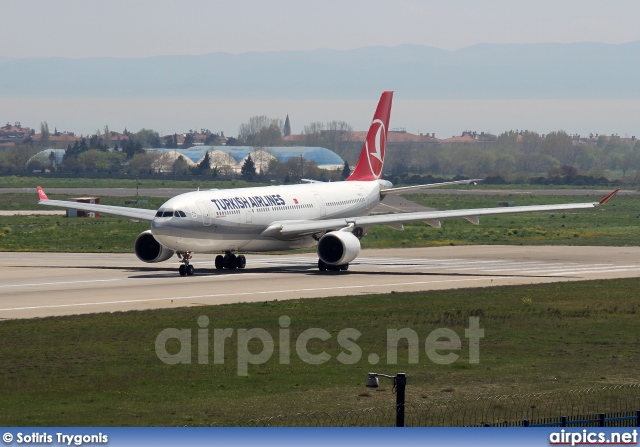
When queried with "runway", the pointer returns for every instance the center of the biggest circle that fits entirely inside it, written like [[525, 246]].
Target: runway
[[50, 284]]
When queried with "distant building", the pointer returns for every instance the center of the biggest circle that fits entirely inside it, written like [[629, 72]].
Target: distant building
[[232, 158], [11, 135], [58, 140], [201, 138], [118, 138]]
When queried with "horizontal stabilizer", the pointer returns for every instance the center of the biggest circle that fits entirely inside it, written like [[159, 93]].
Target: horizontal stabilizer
[[404, 189]]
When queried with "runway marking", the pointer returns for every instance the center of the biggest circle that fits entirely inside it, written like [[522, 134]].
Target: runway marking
[[60, 282], [603, 271], [465, 265], [264, 292]]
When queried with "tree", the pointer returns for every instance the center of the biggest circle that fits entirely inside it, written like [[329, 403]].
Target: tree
[[287, 127], [559, 145], [188, 141], [44, 131], [181, 167], [261, 131], [143, 163], [212, 140], [268, 137], [336, 134], [15, 159], [531, 142], [333, 135], [93, 159], [346, 171], [248, 169], [205, 164], [172, 142], [131, 148], [52, 160], [107, 136], [233, 142], [313, 134], [147, 138], [72, 152], [97, 142]]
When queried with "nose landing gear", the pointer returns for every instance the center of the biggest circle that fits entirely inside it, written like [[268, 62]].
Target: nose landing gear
[[186, 268]]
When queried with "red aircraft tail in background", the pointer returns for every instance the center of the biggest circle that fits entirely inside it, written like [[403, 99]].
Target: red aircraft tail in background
[[371, 161]]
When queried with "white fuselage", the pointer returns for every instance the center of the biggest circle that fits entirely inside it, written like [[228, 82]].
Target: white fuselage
[[234, 219]]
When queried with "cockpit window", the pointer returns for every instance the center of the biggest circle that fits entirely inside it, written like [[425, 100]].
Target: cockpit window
[[164, 213], [179, 214]]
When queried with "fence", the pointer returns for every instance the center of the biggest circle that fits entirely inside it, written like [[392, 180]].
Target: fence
[[610, 406]]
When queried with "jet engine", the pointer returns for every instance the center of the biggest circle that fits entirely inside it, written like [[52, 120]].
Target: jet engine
[[338, 247], [149, 250]]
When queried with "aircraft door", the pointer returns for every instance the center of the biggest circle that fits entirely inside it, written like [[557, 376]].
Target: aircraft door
[[206, 214], [366, 197], [323, 209], [361, 198]]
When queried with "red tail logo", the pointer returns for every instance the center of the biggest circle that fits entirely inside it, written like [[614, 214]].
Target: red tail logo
[[41, 194], [371, 161]]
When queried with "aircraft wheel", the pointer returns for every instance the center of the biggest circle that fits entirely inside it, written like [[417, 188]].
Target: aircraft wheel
[[321, 265], [182, 269], [190, 270], [241, 262], [230, 262], [219, 262], [344, 267]]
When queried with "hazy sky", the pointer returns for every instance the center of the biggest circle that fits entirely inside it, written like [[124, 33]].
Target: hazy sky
[[134, 28], [139, 28]]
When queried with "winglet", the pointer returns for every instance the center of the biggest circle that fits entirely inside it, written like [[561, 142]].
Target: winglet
[[41, 194], [609, 196]]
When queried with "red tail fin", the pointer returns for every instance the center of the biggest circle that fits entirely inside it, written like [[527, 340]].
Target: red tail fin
[[371, 161], [41, 194]]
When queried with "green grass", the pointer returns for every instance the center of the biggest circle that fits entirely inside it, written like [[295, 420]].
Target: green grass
[[60, 234], [102, 369]]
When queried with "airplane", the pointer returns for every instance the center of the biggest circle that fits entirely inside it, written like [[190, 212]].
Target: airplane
[[333, 216]]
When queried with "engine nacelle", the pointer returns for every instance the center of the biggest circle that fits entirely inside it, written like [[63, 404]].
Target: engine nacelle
[[338, 247], [149, 250]]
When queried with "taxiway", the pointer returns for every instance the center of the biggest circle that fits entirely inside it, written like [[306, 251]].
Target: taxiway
[[51, 284]]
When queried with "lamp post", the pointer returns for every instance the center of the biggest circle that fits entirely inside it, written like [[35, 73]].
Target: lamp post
[[399, 385]]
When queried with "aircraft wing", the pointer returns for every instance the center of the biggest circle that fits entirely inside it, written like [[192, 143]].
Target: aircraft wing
[[122, 211], [292, 229], [404, 189]]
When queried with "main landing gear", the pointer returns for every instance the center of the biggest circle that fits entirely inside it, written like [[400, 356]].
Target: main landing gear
[[185, 267], [322, 266], [230, 261]]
